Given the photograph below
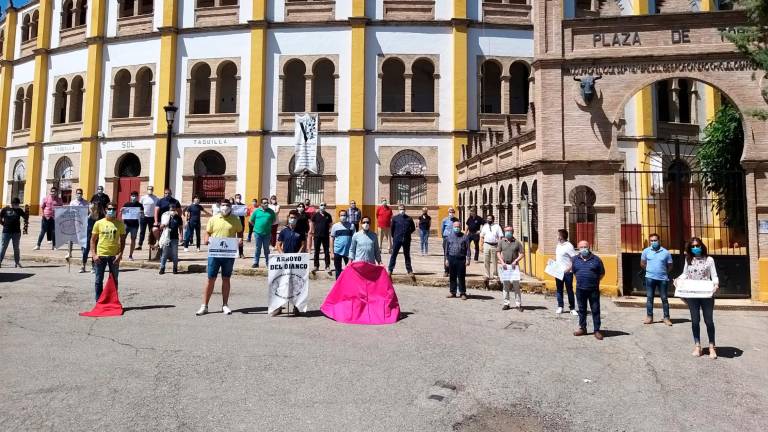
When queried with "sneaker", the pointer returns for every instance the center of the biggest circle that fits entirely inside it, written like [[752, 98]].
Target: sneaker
[[138, 247], [18, 265], [82, 269], [67, 256], [520, 308], [668, 322], [226, 310], [505, 307], [648, 320], [186, 249], [93, 270], [175, 271], [580, 332], [598, 335], [202, 311], [451, 295], [130, 258], [559, 310], [198, 249], [574, 312], [52, 246], [37, 247]]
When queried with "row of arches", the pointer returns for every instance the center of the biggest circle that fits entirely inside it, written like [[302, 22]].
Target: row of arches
[[493, 79], [502, 204], [74, 14], [323, 86], [68, 100], [22, 118], [215, 3], [221, 87], [29, 25], [132, 98], [395, 82], [129, 8]]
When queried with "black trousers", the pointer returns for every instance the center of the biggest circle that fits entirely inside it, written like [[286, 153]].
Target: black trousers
[[322, 241], [145, 224], [337, 261], [405, 244], [475, 238], [457, 273]]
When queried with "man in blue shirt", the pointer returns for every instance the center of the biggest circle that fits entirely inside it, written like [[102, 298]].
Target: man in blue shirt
[[291, 240], [657, 262], [341, 237], [588, 270], [446, 229]]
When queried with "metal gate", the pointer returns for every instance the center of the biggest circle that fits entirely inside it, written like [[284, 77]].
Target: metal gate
[[672, 201]]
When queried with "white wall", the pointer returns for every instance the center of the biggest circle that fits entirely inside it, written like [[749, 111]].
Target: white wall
[[65, 63], [177, 158], [23, 73]]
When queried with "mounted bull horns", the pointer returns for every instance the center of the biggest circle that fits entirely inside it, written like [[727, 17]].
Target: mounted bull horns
[[587, 84]]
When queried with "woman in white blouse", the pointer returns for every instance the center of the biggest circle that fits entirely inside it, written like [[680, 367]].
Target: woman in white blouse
[[275, 208], [700, 266]]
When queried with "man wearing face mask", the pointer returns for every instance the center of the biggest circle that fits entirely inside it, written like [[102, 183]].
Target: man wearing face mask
[[77, 201], [354, 215], [320, 232], [425, 222], [275, 208], [224, 225], [107, 245], [173, 221], [48, 224], [100, 199], [457, 257], [490, 236], [248, 212], [384, 223], [402, 228], [474, 223], [290, 240], [446, 228], [365, 245], [194, 214], [148, 202], [657, 262], [341, 237], [510, 254], [261, 220], [132, 225], [589, 270], [302, 225], [10, 218]]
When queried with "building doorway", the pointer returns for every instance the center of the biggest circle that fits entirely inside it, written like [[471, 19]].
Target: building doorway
[[62, 179], [128, 172]]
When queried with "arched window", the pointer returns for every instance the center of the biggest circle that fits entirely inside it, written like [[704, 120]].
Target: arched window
[[76, 100], [534, 212], [423, 86], [490, 87], [408, 184], [582, 215], [201, 89], [127, 8], [662, 100], [502, 209], [62, 178], [323, 86], [82, 13], [121, 94], [19, 180], [142, 99], [684, 100], [146, 7], [129, 165], [25, 24], [489, 209], [518, 88], [525, 201], [210, 183], [306, 185], [510, 220], [294, 88], [33, 24], [205, 3], [67, 14], [28, 107], [393, 86], [226, 88], [60, 102], [18, 110], [485, 201]]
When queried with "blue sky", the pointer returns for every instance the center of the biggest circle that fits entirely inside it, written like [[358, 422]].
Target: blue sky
[[4, 3]]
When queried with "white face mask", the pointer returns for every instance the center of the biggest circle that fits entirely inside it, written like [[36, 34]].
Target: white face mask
[[226, 210], [401, 211]]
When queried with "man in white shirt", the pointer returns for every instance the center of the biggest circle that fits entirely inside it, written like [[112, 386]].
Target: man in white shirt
[[490, 236], [77, 201], [148, 201], [564, 253]]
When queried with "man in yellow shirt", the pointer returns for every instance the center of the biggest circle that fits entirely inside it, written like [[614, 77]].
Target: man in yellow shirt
[[222, 225], [107, 244]]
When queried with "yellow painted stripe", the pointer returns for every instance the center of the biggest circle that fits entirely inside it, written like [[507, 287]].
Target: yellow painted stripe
[[460, 9], [89, 163], [6, 92], [166, 93], [460, 65], [357, 176], [255, 149]]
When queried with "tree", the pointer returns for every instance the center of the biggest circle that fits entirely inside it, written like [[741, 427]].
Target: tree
[[719, 160], [752, 40]]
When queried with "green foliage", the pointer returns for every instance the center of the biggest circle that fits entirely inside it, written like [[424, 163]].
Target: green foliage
[[752, 40], [719, 160]]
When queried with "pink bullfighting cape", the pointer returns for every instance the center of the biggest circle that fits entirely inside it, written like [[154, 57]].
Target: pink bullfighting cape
[[363, 294], [108, 303]]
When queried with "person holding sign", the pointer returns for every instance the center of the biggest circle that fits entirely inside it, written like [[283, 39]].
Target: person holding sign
[[564, 253], [290, 239], [589, 270], [510, 254], [225, 229], [10, 218], [77, 201], [107, 244], [172, 221], [131, 220], [700, 266]]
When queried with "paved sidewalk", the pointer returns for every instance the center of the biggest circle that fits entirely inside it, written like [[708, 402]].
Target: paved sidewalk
[[428, 270]]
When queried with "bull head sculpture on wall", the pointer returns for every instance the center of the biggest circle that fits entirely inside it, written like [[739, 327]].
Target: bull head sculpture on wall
[[587, 84]]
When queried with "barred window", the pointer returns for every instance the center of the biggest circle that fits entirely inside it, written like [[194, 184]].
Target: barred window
[[408, 184], [582, 216], [62, 178], [210, 183], [306, 185], [19, 180]]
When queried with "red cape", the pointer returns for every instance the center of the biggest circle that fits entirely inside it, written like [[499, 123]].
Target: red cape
[[108, 303], [363, 294]]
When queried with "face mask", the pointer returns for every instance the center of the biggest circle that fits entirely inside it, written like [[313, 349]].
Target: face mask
[[508, 235], [450, 214], [343, 218], [696, 250], [111, 213], [226, 210], [197, 201], [291, 221], [655, 244], [53, 193], [101, 191], [150, 191], [79, 196], [383, 203], [134, 198], [366, 226], [584, 252], [322, 208], [490, 222], [401, 211], [264, 205], [457, 230], [301, 209]]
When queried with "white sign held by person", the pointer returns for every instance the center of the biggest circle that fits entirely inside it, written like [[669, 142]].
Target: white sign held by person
[[689, 288], [554, 269], [131, 213], [223, 247], [288, 281], [305, 137], [239, 210], [71, 225]]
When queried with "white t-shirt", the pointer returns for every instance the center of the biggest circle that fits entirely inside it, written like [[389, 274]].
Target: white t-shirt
[[491, 233], [564, 252], [275, 208], [149, 202]]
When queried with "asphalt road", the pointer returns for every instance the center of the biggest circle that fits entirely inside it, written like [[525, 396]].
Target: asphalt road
[[449, 365]]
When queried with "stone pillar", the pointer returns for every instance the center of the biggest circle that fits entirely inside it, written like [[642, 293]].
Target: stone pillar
[[505, 108], [408, 103], [308, 93], [674, 101]]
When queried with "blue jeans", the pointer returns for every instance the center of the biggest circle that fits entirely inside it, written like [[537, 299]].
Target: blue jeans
[[87, 248], [224, 264], [707, 307], [262, 242], [424, 236], [170, 252], [567, 282], [650, 289], [193, 225], [100, 266], [47, 227], [8, 238], [593, 297]]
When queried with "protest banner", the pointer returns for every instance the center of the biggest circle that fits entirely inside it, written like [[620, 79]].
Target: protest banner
[[306, 142], [131, 213], [554, 269], [71, 225], [239, 209], [511, 274], [689, 288], [288, 281], [223, 247]]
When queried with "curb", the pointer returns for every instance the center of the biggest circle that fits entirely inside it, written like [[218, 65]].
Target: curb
[[676, 303]]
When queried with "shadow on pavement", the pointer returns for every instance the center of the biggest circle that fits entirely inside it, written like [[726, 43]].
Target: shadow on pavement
[[613, 333], [724, 352], [251, 310], [148, 307], [532, 308], [14, 277], [480, 297], [680, 320]]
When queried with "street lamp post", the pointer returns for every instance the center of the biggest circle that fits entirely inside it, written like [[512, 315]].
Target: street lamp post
[[170, 116]]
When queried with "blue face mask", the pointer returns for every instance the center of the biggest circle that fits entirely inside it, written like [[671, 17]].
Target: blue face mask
[[655, 244], [111, 213], [696, 250], [584, 252], [457, 230]]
